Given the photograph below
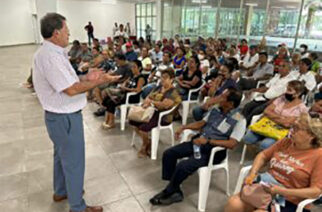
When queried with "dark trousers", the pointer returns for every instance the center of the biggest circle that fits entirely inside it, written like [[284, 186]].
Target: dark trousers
[[246, 84], [90, 36], [175, 172], [254, 108]]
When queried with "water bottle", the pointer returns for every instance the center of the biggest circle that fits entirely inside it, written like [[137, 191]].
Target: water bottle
[[196, 151]]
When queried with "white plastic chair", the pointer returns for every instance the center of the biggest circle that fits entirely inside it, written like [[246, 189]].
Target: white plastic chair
[[244, 173], [254, 119], [205, 172], [186, 103], [124, 107], [155, 133]]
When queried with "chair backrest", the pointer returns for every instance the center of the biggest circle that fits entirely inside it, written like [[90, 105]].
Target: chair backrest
[[191, 91], [241, 178], [164, 113]]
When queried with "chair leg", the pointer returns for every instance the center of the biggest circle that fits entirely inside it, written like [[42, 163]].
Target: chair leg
[[133, 138], [155, 134], [204, 182], [185, 111], [172, 134], [243, 154], [123, 109], [227, 180]]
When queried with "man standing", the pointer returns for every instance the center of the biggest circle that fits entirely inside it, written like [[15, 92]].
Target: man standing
[[61, 94], [90, 32]]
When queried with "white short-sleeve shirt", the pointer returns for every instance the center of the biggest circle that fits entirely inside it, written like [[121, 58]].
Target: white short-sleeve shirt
[[52, 74]]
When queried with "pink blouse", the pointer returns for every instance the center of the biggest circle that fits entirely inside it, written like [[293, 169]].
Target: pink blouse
[[292, 111]]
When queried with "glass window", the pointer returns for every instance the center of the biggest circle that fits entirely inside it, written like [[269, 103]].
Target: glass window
[[138, 10], [149, 9], [310, 32], [143, 9], [145, 17]]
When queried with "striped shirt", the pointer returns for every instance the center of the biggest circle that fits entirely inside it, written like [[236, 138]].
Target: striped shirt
[[52, 74]]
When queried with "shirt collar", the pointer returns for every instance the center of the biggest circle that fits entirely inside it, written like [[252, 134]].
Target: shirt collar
[[54, 47]]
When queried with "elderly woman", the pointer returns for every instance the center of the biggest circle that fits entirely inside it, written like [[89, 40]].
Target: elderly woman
[[118, 96], [295, 164], [163, 97], [191, 78], [283, 111]]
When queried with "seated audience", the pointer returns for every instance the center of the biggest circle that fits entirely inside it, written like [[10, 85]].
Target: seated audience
[[156, 54], [315, 63], [316, 109], [154, 79], [164, 97], [211, 134], [295, 61], [243, 48], [250, 60], [86, 55], [305, 75], [75, 53], [107, 64], [304, 51], [117, 96], [146, 62], [274, 88], [294, 168], [263, 71], [124, 70], [284, 111], [179, 60], [191, 78], [216, 87], [281, 56], [204, 62], [130, 54]]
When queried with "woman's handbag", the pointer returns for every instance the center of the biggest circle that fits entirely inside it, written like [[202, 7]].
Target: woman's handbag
[[256, 196], [269, 128], [140, 114]]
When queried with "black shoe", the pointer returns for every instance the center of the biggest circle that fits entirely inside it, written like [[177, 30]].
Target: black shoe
[[100, 112], [156, 199], [168, 199]]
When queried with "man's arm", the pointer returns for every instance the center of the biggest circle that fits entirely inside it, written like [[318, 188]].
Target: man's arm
[[230, 144], [85, 85], [193, 126]]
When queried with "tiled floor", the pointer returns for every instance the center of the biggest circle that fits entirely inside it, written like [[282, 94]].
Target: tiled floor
[[115, 177]]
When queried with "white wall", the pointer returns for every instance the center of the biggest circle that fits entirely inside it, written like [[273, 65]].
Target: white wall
[[102, 16], [16, 19], [15, 22]]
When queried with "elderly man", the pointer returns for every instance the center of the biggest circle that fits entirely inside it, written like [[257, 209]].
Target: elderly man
[[62, 96]]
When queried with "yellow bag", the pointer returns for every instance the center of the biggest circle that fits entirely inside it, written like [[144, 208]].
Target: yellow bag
[[269, 128]]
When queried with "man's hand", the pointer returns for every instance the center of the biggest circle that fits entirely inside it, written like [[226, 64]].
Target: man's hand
[[200, 141], [109, 78], [94, 75], [178, 133]]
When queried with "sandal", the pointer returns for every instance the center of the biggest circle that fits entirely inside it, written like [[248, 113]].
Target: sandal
[[107, 126]]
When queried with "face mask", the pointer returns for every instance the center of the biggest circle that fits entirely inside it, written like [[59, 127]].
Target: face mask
[[200, 57], [289, 97], [302, 50]]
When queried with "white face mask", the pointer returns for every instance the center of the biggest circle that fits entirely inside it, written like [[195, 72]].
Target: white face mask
[[201, 57], [302, 50]]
